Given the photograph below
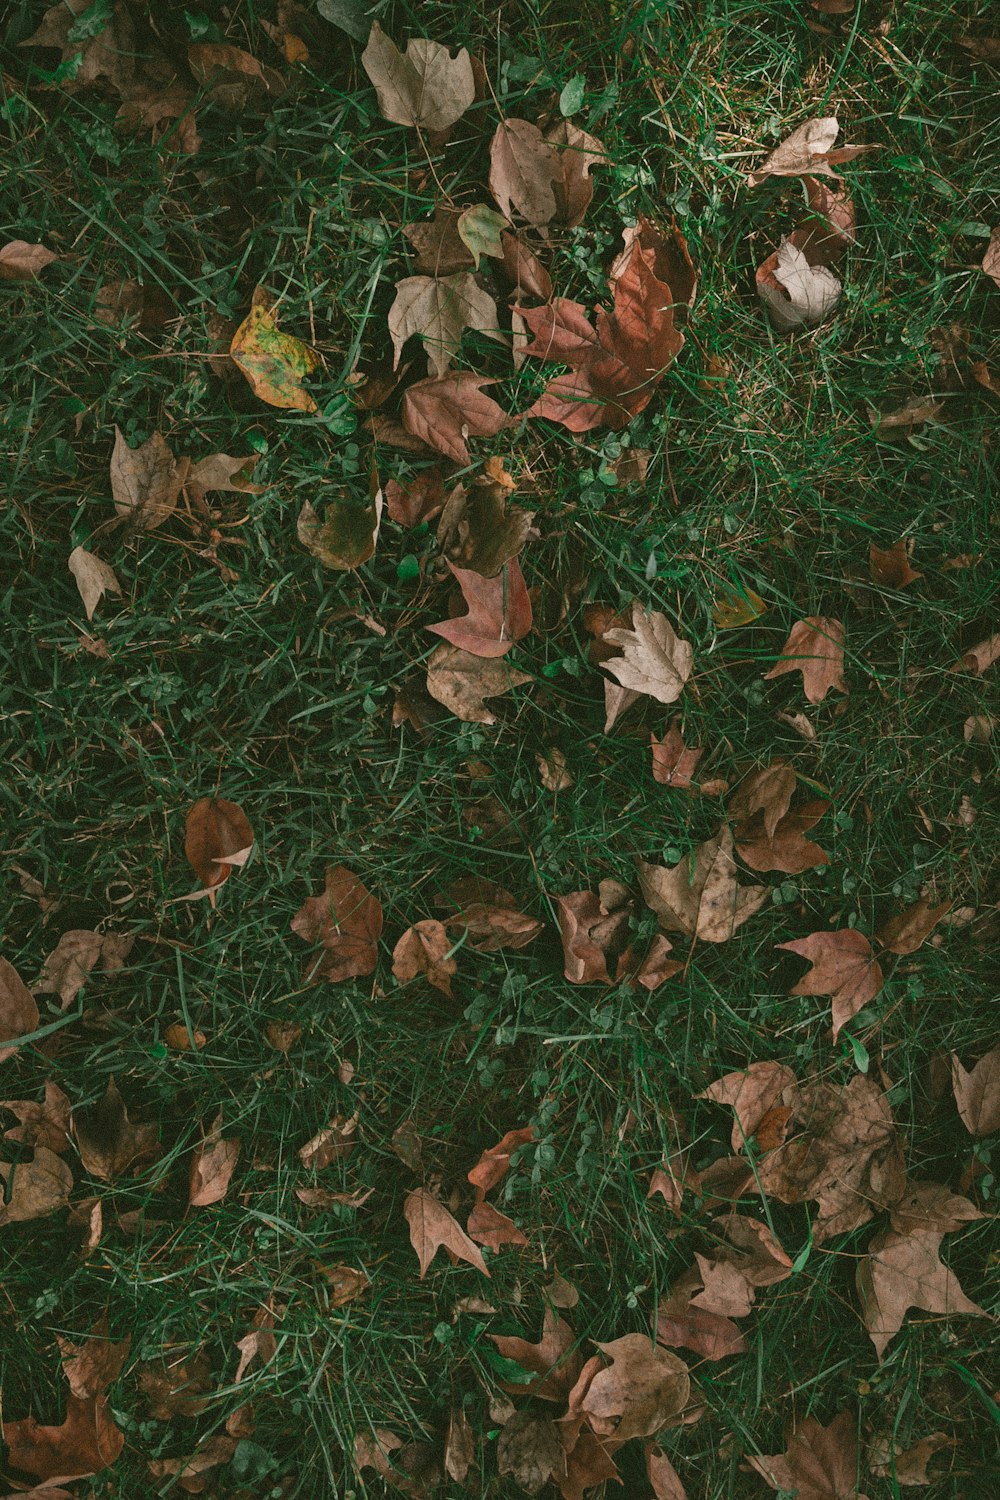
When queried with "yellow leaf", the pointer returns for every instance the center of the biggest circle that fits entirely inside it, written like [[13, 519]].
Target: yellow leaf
[[274, 363], [735, 607]]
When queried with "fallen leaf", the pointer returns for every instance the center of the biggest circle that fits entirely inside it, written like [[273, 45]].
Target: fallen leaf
[[674, 764], [431, 1226], [980, 657], [424, 86], [479, 227], [672, 263], [820, 1463], [87, 1442], [146, 481], [523, 269], [488, 1226], [589, 1463], [977, 729], [700, 895], [991, 260], [809, 149], [891, 566], [906, 1465], [462, 682], [274, 363], [95, 1364], [931, 1206], [725, 1290], [282, 1035], [260, 1343], [108, 49], [347, 535], [641, 1391], [815, 647], [664, 1479], [438, 310], [188, 1472], [750, 1246], [530, 1450], [221, 471], [672, 1179], [906, 932], [553, 771], [94, 578], [977, 1093], [178, 1384], [234, 79], [77, 953], [212, 1166], [459, 1446], [218, 838], [914, 411], [108, 1141], [654, 660], [20, 261], [425, 949], [169, 116], [795, 293], [843, 967], [419, 499], [179, 1039], [442, 412], [440, 248], [34, 1189], [499, 612], [46, 1124], [752, 1094], [682, 1326], [524, 168], [769, 833], [735, 608], [576, 153], [494, 924], [553, 1362], [902, 1271], [494, 1164], [333, 1143], [346, 923], [18, 1011], [480, 529], [345, 1283]]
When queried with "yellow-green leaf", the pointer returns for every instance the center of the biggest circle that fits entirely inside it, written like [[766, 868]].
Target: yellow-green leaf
[[735, 607], [273, 362], [346, 536]]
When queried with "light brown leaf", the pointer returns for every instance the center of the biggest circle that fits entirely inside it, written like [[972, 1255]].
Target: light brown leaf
[[931, 1206], [905, 932], [234, 79], [424, 86], [94, 578], [981, 657], [524, 270], [752, 1094], [488, 1226], [642, 1390], [260, 1343], [907, 1466], [749, 1245], [345, 1283], [654, 660], [77, 953], [809, 149], [443, 412], [530, 1450], [438, 310], [902, 1271], [494, 1164], [679, 1325], [499, 612], [333, 1143], [700, 895], [418, 499], [991, 260], [553, 1361], [189, 1471], [218, 838], [890, 566], [212, 1166], [843, 967], [20, 261], [459, 1446], [674, 764], [33, 1189], [524, 170], [664, 1479], [146, 481], [346, 536], [86, 1442], [440, 248], [795, 293], [492, 925], [177, 1384], [92, 1366], [725, 1290], [977, 1093], [274, 363], [110, 54], [346, 923], [815, 647], [108, 1141], [462, 682], [425, 949], [553, 770], [769, 834], [220, 471], [46, 1124], [432, 1226], [577, 153], [820, 1463], [18, 1011]]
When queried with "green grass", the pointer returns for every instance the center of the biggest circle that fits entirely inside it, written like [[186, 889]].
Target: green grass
[[266, 688]]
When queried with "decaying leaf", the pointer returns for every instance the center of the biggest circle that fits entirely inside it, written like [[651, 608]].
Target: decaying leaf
[[93, 1365], [274, 363], [674, 763], [553, 770], [18, 1011], [459, 1446], [188, 1472], [438, 310], [489, 1227], [907, 1466], [442, 412], [146, 481], [890, 566], [333, 1143], [795, 293], [45, 1124], [815, 647], [654, 660], [530, 1450], [432, 1226], [260, 1343], [424, 86], [21, 261], [425, 948], [977, 1093], [843, 967], [86, 1442], [594, 927], [108, 1141], [234, 79], [524, 270], [523, 172], [217, 839], [905, 932], [212, 1166], [769, 833], [931, 1206], [177, 1384], [980, 657], [415, 500], [499, 612], [94, 578], [808, 150], [642, 1390], [664, 1479], [489, 918], [991, 260], [700, 895], [754, 1094], [820, 1463], [479, 528], [33, 1189], [494, 1163], [346, 923], [77, 953], [553, 1363], [462, 682], [902, 1271], [346, 536]]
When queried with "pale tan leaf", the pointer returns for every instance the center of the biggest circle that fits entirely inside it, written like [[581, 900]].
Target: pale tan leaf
[[424, 86], [438, 310], [654, 660], [94, 578], [700, 895]]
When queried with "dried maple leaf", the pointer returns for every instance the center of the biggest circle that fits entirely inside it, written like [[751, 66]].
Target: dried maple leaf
[[524, 168], [346, 923], [146, 481], [902, 1271], [274, 363], [86, 1442], [18, 1011], [672, 1179], [346, 536], [682, 1326], [981, 657], [91, 1367], [769, 834], [752, 1094], [33, 1189], [109, 49], [700, 895], [672, 263], [749, 1245], [641, 1391], [260, 1343], [815, 647], [890, 566], [169, 115], [553, 1362], [218, 838], [233, 79], [553, 770], [820, 1463], [905, 932], [443, 411], [577, 153], [46, 1124], [20, 261], [674, 763], [333, 1143], [345, 1283], [188, 1472], [977, 1093], [459, 1446], [494, 924], [108, 1141], [221, 471], [425, 949], [77, 953], [462, 682], [94, 578], [991, 260], [654, 660], [212, 1166], [488, 1226], [843, 967], [479, 528], [494, 1164], [418, 499], [424, 86], [906, 1466], [931, 1206], [499, 612], [594, 931], [523, 269], [438, 310], [795, 293], [432, 1226], [809, 149], [530, 1450], [664, 1479], [177, 1384]]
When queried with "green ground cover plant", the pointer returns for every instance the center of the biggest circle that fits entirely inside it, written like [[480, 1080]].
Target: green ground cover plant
[[499, 881]]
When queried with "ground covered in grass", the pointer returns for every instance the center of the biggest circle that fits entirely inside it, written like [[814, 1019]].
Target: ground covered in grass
[[279, 1328]]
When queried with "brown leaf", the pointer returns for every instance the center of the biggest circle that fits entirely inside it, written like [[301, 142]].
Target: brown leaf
[[233, 78], [479, 529], [177, 1384], [346, 1284], [462, 682], [523, 269], [654, 660], [553, 1361], [809, 149], [553, 770], [442, 412], [94, 1365], [931, 1206], [110, 54], [260, 1343], [749, 1245], [494, 1164], [891, 566], [674, 764], [108, 1141], [679, 1325], [220, 471], [752, 1094], [45, 1124], [769, 835], [282, 1035], [488, 1226], [424, 86], [726, 1291], [499, 612], [820, 1463], [672, 263], [991, 260], [642, 1390], [672, 1179], [530, 1449], [438, 310], [592, 931], [146, 481], [169, 115], [589, 1463], [425, 949], [189, 1472], [700, 895], [86, 1443], [20, 261], [815, 647], [118, 301], [980, 657], [440, 248], [333, 1143], [180, 1039], [33, 1189], [906, 1465], [843, 967], [664, 1479], [577, 153], [977, 1093], [217, 839], [459, 1446], [94, 578], [762, 799], [492, 926], [346, 923], [18, 1011], [274, 363], [905, 932], [431, 1226], [346, 536], [524, 169], [902, 1271], [212, 1167], [420, 499], [78, 952]]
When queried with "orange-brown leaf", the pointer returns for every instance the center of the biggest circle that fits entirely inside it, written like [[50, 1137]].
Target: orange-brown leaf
[[815, 647], [843, 967], [432, 1226], [346, 923], [217, 839]]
